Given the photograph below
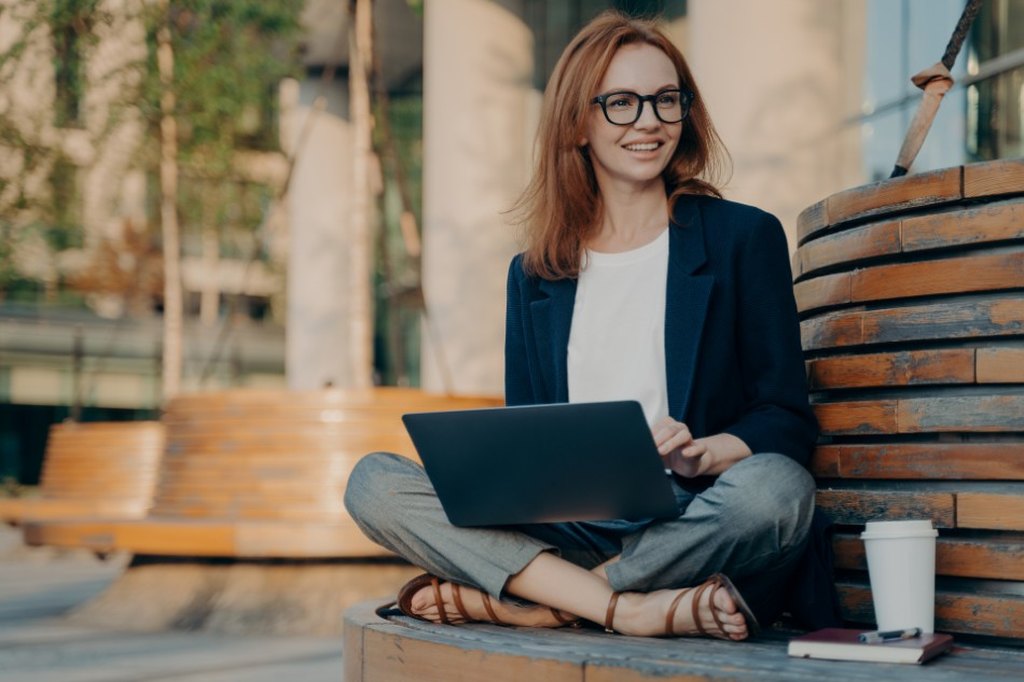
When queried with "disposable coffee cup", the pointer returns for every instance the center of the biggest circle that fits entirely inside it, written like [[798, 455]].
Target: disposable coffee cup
[[901, 566]]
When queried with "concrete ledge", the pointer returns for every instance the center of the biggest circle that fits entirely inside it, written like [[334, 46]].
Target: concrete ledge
[[394, 648]]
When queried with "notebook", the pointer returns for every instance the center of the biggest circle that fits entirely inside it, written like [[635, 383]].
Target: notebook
[[843, 645], [543, 463]]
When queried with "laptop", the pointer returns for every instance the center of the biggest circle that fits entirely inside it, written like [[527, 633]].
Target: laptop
[[543, 463]]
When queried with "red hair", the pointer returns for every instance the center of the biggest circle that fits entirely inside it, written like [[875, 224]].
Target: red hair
[[561, 207]]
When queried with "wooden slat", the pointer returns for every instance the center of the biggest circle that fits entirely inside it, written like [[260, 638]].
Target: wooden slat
[[904, 368], [997, 511], [981, 317], [972, 413], [190, 537], [968, 274], [23, 510], [1000, 221], [826, 462], [994, 177], [859, 417], [821, 292], [885, 197], [965, 274], [984, 413], [849, 246], [390, 656], [811, 220], [993, 615], [889, 196], [956, 461], [1000, 365], [997, 556], [856, 507]]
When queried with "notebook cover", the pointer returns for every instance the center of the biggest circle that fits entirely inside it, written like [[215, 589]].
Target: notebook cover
[[841, 644]]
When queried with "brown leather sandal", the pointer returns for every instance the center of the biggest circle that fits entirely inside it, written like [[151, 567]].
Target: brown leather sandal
[[409, 590], [714, 583]]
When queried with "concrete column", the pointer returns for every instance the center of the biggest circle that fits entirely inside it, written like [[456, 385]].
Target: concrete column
[[478, 125], [780, 78], [318, 265]]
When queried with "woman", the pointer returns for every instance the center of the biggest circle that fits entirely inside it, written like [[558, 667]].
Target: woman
[[638, 282]]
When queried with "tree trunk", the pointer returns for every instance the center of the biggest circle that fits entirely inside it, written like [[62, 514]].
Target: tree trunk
[[360, 285], [172, 348], [209, 299]]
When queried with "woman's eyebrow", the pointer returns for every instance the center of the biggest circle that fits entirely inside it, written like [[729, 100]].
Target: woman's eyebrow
[[669, 86]]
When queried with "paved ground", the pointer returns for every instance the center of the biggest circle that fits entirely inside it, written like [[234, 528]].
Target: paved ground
[[38, 587]]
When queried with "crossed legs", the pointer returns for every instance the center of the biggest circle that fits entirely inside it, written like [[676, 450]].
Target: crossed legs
[[392, 501]]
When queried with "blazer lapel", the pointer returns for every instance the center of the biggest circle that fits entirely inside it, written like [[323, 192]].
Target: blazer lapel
[[686, 304], [552, 319]]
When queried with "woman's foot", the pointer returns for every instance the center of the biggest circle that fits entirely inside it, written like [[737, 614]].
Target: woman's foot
[[464, 604], [717, 614]]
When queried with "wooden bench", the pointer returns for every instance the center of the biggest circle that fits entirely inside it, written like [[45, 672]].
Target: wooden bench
[[911, 294], [397, 648], [259, 474], [98, 469], [247, 531]]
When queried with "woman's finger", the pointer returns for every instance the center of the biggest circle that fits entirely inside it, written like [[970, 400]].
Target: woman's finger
[[678, 440], [696, 449]]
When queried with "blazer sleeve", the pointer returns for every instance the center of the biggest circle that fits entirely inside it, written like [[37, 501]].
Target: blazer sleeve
[[778, 417], [518, 388]]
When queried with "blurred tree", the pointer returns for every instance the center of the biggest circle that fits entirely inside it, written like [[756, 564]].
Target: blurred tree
[[216, 97], [209, 93]]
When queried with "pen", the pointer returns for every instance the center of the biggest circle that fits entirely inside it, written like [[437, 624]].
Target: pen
[[888, 635]]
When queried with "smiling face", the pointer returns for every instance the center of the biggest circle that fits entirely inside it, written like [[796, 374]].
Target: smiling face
[[633, 154]]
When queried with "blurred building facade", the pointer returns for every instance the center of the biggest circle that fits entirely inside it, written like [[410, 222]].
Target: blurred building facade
[[810, 97]]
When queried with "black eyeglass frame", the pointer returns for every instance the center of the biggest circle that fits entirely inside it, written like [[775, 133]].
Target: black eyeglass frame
[[685, 101]]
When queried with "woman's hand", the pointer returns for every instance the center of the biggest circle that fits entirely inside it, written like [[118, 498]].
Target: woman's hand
[[681, 453], [689, 456]]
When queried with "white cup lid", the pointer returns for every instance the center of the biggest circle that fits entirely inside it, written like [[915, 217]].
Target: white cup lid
[[874, 530]]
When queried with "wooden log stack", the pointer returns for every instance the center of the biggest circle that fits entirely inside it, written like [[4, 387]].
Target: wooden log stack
[[911, 297]]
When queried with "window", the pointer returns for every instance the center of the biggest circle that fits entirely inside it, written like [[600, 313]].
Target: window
[[70, 25]]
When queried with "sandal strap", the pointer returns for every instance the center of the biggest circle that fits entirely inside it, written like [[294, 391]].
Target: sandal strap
[[486, 598], [459, 606], [695, 606], [714, 583], [436, 584], [609, 616], [670, 615], [715, 586]]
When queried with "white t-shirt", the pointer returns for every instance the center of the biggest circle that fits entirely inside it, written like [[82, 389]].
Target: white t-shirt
[[617, 340]]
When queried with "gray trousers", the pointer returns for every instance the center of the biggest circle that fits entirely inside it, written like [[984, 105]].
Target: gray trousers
[[751, 523]]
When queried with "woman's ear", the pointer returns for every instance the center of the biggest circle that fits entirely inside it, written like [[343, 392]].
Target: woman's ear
[[583, 142]]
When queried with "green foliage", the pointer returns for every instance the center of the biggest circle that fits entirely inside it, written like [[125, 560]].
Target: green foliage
[[229, 56]]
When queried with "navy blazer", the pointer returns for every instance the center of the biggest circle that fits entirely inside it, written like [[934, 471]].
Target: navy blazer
[[732, 339]]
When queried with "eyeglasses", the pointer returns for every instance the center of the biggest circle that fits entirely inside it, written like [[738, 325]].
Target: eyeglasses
[[624, 108]]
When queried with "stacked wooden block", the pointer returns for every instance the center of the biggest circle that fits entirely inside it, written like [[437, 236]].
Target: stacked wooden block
[[911, 296]]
